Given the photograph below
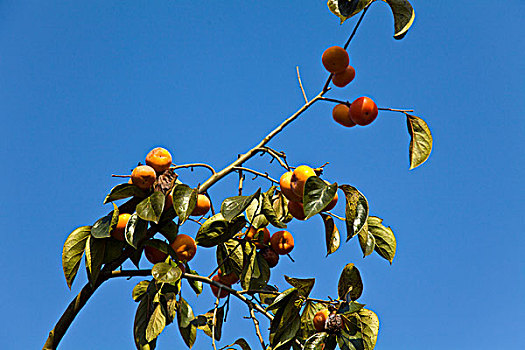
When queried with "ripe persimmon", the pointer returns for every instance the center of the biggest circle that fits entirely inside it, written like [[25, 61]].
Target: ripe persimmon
[[320, 319], [118, 231], [282, 242], [297, 210], [332, 204], [344, 78], [299, 177], [185, 247], [341, 114], [159, 159], [363, 111], [254, 235], [143, 177], [335, 59], [154, 255], [202, 206], [215, 290], [286, 187]]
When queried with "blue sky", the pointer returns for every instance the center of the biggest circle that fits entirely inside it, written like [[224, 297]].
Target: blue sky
[[87, 89]]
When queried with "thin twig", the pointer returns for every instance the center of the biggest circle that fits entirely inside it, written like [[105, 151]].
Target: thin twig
[[265, 175], [241, 178], [126, 176], [301, 84], [257, 329], [396, 110], [215, 319], [279, 156], [336, 216], [195, 165]]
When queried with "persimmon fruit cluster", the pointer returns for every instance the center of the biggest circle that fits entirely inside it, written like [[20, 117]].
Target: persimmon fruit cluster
[[336, 60], [363, 111]]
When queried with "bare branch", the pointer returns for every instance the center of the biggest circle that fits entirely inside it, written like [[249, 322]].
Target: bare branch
[[257, 329], [301, 84], [195, 165], [279, 156], [265, 175]]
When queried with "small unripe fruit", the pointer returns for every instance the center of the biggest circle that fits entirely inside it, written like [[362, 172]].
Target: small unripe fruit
[[341, 114], [202, 207], [335, 59], [344, 78], [320, 320], [271, 257], [363, 111]]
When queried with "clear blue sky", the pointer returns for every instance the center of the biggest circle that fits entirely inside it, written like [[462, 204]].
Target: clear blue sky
[[88, 88]]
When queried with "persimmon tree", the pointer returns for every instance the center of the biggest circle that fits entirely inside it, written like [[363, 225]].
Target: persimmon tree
[[157, 205]]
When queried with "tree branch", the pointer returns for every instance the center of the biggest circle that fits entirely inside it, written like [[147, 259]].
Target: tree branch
[[257, 329], [195, 165], [265, 175]]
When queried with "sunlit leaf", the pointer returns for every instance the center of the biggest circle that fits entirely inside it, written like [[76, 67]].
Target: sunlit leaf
[[166, 273], [269, 211], [103, 227], [369, 327], [317, 195], [123, 191], [150, 209], [366, 241], [254, 214], [332, 236], [350, 282], [385, 241], [142, 316], [184, 201], [356, 210], [217, 230], [184, 318], [72, 252], [304, 285], [140, 290], [316, 341], [156, 323], [307, 317], [420, 141], [234, 206]]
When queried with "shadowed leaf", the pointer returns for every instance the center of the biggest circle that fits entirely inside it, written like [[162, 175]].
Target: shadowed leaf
[[356, 210], [95, 249], [195, 285], [420, 141], [234, 206], [150, 209], [136, 230], [230, 256], [142, 316], [207, 325], [316, 341], [184, 201], [184, 318], [366, 241], [332, 236], [123, 191], [385, 241], [72, 252], [269, 211], [317, 195], [304, 285], [350, 282], [217, 230]]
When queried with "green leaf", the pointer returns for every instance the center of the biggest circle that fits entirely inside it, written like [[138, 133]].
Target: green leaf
[[156, 323], [184, 317], [356, 210], [282, 299], [103, 227], [280, 206], [241, 342], [95, 249], [162, 246], [195, 285], [230, 256], [307, 319], [207, 324], [113, 250], [139, 291], [234, 206], [385, 241], [217, 230], [254, 214], [404, 16], [136, 230], [317, 195], [349, 342], [304, 285], [350, 307], [166, 273], [256, 272], [123, 191], [369, 328], [150, 209], [420, 141], [72, 252], [286, 322], [269, 211], [345, 9], [332, 236], [184, 201], [366, 241], [350, 282], [169, 230], [142, 316], [316, 341]]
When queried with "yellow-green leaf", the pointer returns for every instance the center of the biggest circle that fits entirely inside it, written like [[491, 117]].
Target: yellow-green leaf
[[72, 252], [420, 141]]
